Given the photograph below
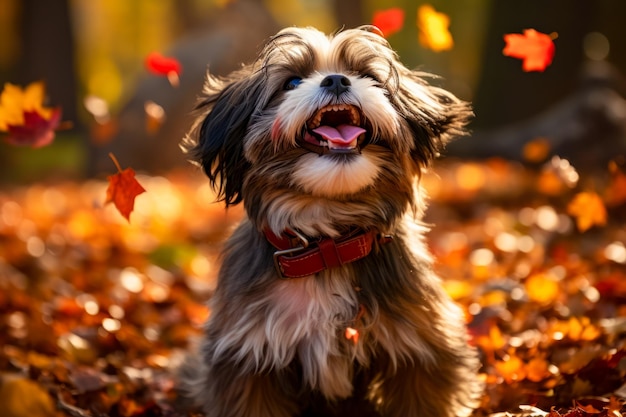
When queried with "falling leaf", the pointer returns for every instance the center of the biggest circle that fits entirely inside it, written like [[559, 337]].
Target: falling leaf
[[155, 116], [161, 65], [588, 209], [433, 29], [536, 49], [24, 117], [389, 21], [122, 190]]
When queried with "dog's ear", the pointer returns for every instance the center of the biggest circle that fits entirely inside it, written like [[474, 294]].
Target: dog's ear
[[216, 141], [433, 115]]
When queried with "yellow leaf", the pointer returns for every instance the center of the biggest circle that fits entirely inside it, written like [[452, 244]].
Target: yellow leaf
[[11, 112], [433, 29], [542, 288], [588, 209], [21, 397], [458, 289], [14, 102], [34, 96]]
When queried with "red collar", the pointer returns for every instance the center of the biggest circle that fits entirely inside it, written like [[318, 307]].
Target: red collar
[[298, 257]]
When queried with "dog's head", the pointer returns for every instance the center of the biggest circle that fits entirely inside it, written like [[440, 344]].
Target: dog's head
[[337, 119]]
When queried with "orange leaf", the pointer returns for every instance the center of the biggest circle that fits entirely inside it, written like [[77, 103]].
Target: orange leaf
[[511, 368], [433, 29], [538, 369], [588, 209], [389, 21], [536, 49], [122, 190], [352, 334]]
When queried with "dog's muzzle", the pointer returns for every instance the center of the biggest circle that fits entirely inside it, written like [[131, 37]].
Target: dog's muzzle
[[298, 257]]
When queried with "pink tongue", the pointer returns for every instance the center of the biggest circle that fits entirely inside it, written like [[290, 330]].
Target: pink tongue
[[343, 134]]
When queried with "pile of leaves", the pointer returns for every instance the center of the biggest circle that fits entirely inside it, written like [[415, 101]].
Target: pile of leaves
[[96, 310], [537, 258]]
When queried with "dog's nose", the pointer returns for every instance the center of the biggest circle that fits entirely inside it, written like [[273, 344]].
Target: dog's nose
[[336, 83]]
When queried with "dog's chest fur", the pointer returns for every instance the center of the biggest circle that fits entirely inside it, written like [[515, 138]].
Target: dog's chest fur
[[278, 324]]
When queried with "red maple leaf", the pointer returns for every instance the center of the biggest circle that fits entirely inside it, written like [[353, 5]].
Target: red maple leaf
[[536, 49], [122, 190], [389, 21], [161, 65]]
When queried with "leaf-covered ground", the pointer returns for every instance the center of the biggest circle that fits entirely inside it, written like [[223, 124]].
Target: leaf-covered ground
[[95, 310]]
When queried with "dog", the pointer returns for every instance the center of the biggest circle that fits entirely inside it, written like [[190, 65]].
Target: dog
[[326, 298]]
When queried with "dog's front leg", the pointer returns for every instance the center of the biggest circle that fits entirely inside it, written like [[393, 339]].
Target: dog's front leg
[[434, 373], [227, 390]]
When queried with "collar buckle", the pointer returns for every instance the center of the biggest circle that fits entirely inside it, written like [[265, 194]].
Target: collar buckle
[[304, 244]]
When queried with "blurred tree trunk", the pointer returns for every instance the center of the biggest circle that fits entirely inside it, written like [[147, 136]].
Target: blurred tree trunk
[[47, 51], [349, 13]]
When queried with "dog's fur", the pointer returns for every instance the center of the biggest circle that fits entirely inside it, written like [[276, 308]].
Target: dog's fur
[[276, 347]]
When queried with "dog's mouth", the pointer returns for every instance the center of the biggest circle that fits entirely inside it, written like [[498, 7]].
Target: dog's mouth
[[337, 128]]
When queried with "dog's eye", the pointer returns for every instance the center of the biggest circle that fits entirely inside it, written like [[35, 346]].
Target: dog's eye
[[292, 83]]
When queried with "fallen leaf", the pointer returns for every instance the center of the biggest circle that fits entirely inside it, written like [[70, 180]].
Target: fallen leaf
[[542, 288], [536, 49], [588, 210], [24, 117], [511, 368], [21, 397], [538, 369], [492, 341], [433, 29], [389, 21], [123, 189], [457, 289]]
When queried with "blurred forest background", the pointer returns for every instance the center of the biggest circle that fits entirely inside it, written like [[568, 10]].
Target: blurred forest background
[[90, 53]]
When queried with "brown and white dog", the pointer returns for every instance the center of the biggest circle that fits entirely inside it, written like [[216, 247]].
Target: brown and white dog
[[326, 297]]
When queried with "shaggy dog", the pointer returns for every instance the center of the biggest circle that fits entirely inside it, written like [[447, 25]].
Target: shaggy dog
[[326, 297]]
